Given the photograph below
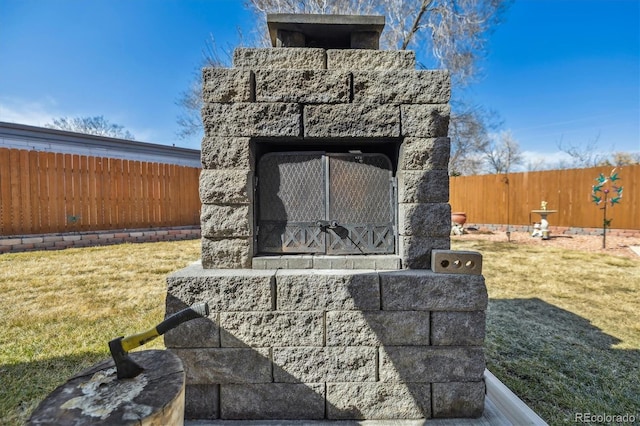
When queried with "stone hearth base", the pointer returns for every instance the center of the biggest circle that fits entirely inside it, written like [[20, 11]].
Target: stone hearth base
[[330, 344]]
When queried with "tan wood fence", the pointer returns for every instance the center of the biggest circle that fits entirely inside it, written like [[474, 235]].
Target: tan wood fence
[[510, 198], [44, 192]]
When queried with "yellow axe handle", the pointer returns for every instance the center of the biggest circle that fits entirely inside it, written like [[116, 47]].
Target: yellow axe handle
[[196, 311]]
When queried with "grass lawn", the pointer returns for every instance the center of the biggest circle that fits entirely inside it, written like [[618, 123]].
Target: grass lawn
[[563, 331], [60, 308]]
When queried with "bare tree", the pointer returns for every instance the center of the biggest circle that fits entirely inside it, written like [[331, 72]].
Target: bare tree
[[502, 153], [449, 34], [536, 165], [468, 131], [98, 125], [588, 154], [625, 158], [190, 100]]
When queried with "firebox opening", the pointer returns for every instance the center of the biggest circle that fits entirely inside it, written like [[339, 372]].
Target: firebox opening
[[387, 146], [326, 198]]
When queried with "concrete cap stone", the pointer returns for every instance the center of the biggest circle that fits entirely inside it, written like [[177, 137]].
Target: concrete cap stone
[[326, 31]]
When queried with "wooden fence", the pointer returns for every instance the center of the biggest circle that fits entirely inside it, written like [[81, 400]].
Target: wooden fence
[[510, 198], [44, 192]]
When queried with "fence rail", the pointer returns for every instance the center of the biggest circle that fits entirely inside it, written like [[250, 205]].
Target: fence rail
[[44, 192], [510, 198]]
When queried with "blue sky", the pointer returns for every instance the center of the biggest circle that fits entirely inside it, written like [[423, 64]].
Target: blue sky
[[556, 70]]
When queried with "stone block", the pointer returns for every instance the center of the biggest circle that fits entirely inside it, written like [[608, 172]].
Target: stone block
[[226, 186], [197, 333], [376, 262], [425, 121], [430, 186], [36, 240], [276, 401], [423, 290], [385, 262], [424, 154], [327, 364], [358, 59], [456, 262], [416, 251], [356, 328], [378, 401], [230, 253], [402, 86], [278, 58], [226, 85], [365, 40], [298, 262], [327, 290], [226, 365], [252, 119], [428, 364], [223, 289], [424, 220], [201, 402], [268, 329], [458, 328], [223, 221], [458, 400], [282, 262], [333, 262], [226, 153], [303, 86], [351, 120]]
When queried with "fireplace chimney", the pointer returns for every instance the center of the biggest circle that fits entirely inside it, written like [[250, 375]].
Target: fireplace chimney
[[325, 224]]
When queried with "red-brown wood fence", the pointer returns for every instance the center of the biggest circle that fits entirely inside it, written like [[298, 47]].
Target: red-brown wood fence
[[44, 192], [510, 198]]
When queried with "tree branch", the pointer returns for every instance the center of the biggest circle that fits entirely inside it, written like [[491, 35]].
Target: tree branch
[[416, 23]]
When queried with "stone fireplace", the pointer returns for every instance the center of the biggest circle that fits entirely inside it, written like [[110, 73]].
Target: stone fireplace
[[325, 236]]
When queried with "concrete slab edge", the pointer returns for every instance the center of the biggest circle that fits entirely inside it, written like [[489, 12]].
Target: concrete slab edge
[[508, 402], [503, 408]]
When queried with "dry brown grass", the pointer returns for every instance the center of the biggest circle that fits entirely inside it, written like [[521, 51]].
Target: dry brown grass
[[562, 325], [602, 286], [60, 308], [563, 330]]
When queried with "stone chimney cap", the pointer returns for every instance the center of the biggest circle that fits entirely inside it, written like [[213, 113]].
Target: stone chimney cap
[[325, 31]]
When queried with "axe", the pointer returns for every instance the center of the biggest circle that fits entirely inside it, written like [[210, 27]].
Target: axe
[[120, 346]]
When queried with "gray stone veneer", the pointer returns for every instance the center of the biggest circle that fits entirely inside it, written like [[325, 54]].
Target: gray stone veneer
[[300, 96], [319, 336], [334, 344]]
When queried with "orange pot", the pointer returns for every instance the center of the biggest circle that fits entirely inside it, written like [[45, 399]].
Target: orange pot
[[459, 217]]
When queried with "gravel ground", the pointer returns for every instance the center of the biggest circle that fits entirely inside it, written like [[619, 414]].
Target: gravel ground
[[616, 245]]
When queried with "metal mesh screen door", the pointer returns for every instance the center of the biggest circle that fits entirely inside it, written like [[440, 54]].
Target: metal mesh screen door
[[292, 198], [325, 203]]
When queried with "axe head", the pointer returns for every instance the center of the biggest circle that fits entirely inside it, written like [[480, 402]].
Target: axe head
[[126, 367]]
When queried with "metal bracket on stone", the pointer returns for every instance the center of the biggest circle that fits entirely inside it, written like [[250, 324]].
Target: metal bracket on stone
[[456, 262]]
